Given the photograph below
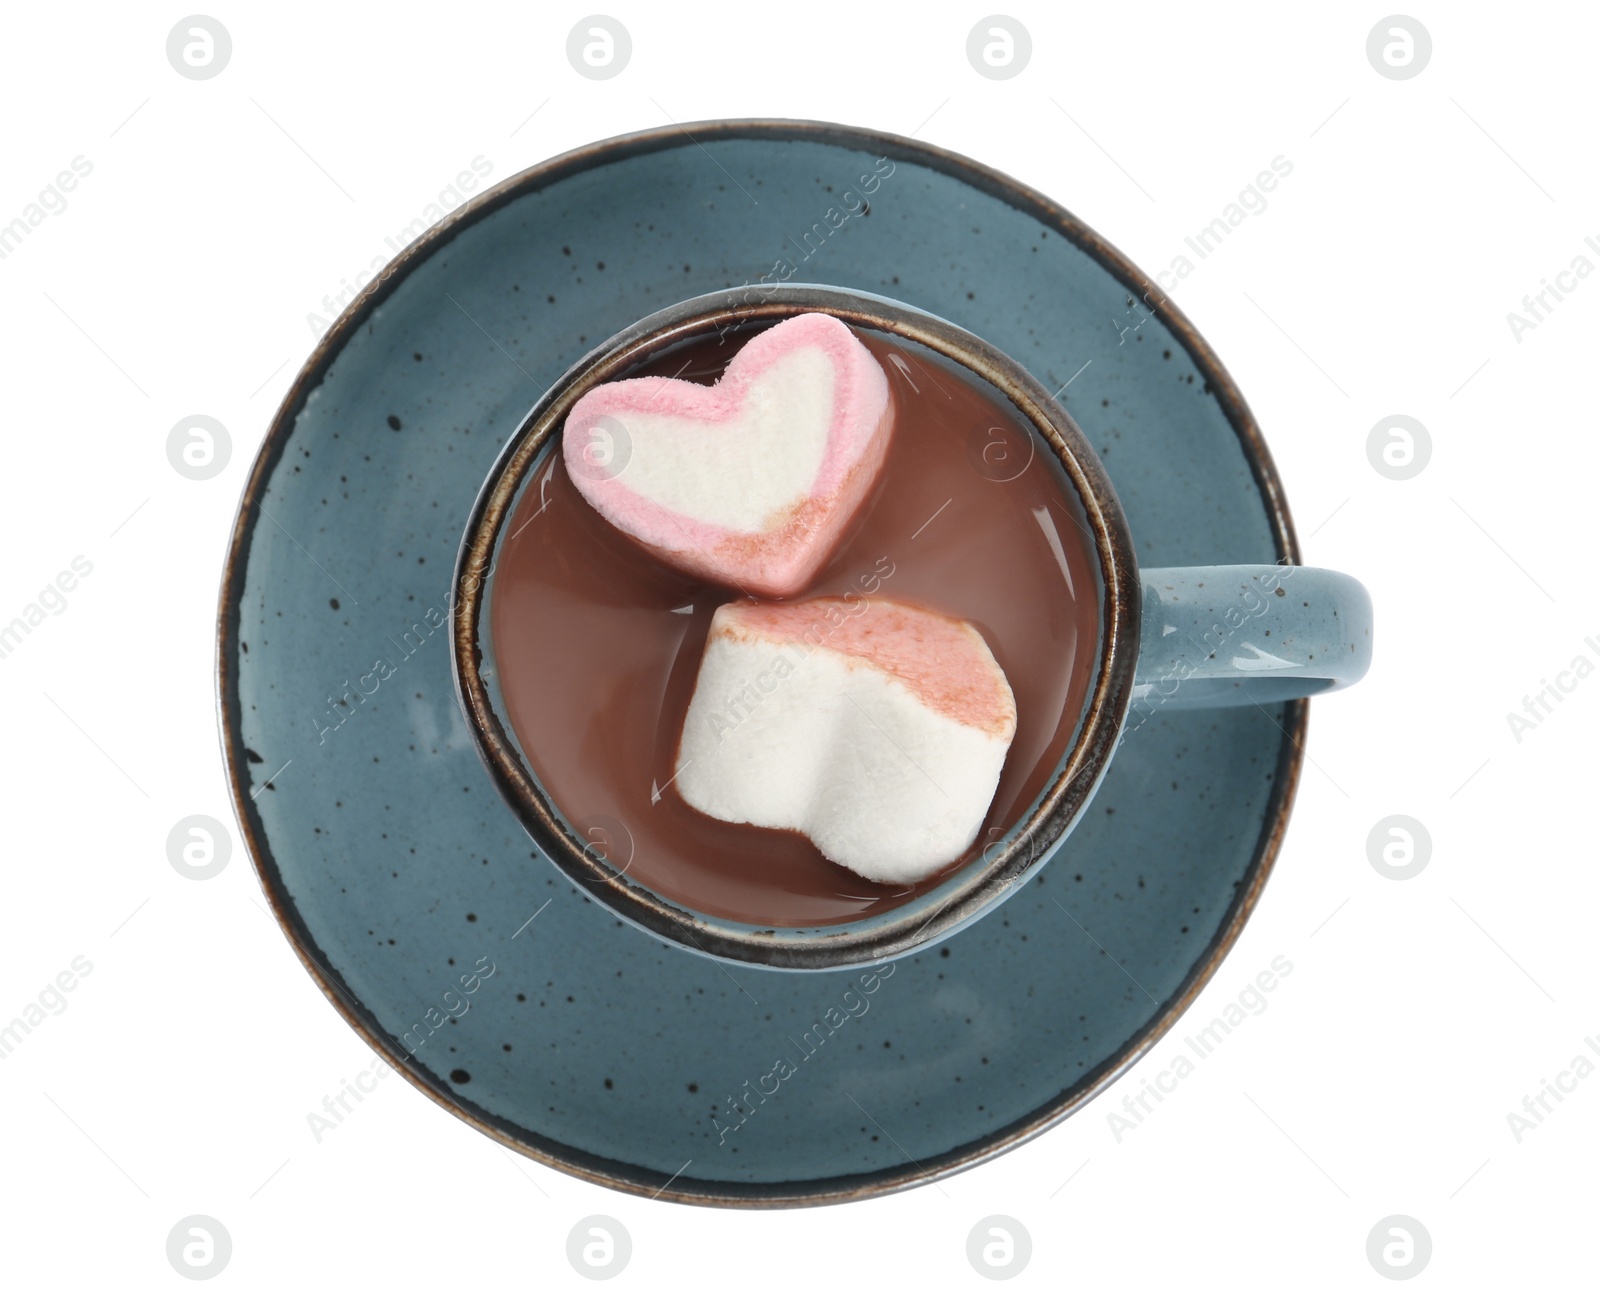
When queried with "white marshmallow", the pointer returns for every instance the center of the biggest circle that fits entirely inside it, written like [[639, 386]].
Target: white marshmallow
[[876, 729]]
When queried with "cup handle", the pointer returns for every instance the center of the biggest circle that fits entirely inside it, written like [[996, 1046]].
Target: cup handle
[[1237, 635]]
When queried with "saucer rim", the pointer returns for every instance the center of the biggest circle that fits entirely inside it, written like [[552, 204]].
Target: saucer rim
[[608, 1172]]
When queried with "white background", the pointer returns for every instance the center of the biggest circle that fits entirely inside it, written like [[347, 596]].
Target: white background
[[1378, 281]]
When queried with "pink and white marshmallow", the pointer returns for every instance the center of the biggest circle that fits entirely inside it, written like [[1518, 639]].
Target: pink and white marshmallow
[[748, 483], [876, 729]]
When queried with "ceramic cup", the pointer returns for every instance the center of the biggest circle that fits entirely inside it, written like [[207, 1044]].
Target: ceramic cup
[[1169, 638]]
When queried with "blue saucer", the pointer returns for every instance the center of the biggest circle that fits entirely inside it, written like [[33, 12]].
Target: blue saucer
[[411, 891]]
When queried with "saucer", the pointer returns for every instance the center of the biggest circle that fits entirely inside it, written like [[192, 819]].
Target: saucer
[[410, 890]]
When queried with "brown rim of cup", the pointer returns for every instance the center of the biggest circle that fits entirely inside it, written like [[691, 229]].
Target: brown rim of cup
[[910, 926]]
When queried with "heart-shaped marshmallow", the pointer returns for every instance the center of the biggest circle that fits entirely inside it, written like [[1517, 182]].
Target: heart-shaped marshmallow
[[749, 483], [876, 729]]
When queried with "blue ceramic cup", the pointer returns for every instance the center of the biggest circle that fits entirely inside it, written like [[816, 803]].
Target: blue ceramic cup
[[1169, 638]]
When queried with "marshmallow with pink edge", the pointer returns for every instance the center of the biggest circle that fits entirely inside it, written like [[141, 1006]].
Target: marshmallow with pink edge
[[749, 483], [875, 728]]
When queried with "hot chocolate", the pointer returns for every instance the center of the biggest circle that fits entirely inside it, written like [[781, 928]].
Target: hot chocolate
[[598, 644]]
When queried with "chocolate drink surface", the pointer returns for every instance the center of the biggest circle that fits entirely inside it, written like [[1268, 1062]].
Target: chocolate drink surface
[[598, 644]]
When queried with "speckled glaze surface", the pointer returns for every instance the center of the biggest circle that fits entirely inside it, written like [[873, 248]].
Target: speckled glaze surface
[[410, 890]]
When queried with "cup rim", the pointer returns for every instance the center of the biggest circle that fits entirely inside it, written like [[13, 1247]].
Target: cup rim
[[1027, 843]]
